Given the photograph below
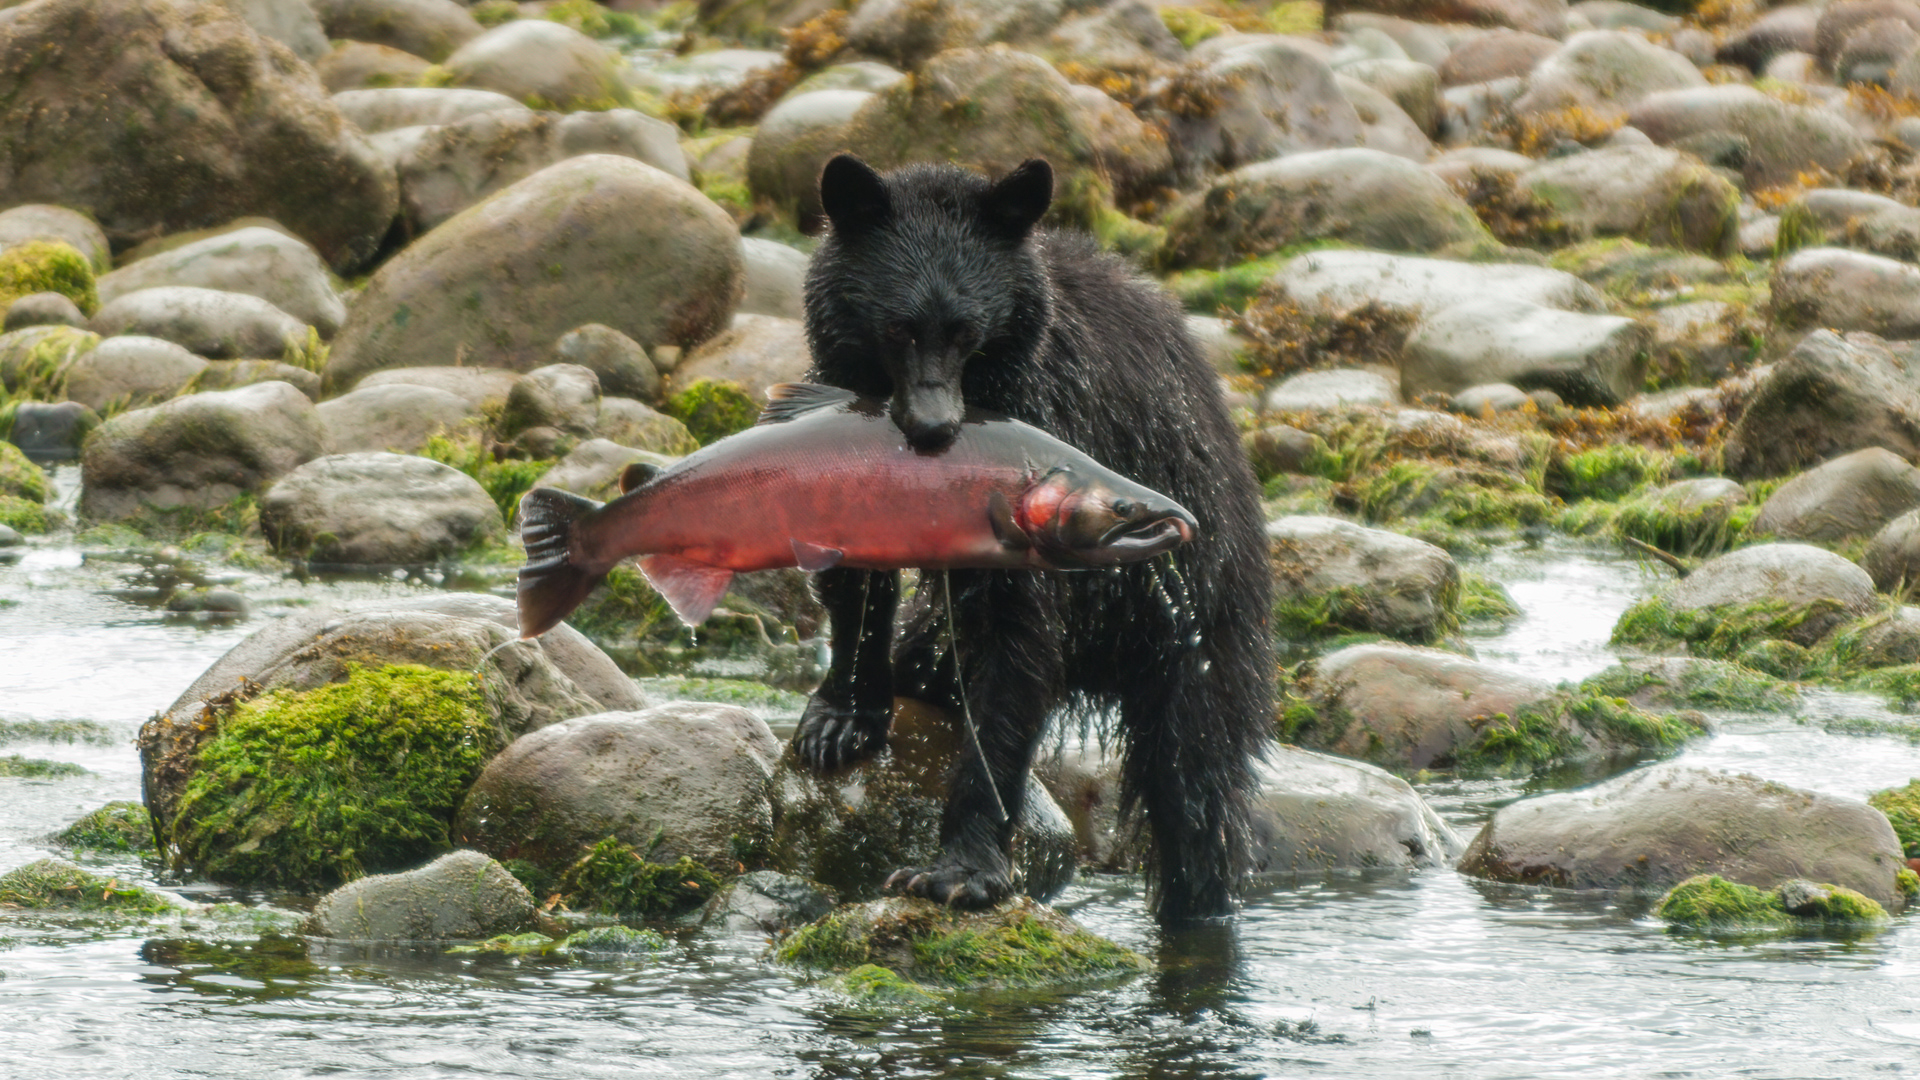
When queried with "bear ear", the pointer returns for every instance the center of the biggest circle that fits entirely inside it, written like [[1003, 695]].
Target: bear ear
[[854, 196], [1015, 203]]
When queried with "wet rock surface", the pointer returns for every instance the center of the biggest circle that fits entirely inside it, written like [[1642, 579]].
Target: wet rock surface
[[460, 895], [377, 510]]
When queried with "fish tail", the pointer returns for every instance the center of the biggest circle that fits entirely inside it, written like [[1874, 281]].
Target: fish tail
[[554, 581]]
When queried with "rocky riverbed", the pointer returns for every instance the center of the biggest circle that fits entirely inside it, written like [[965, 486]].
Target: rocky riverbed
[[1573, 345]]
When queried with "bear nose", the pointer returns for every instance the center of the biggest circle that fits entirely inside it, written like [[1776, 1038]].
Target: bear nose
[[929, 435]]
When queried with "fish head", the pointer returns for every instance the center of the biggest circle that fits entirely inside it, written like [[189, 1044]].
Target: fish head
[[1075, 520]]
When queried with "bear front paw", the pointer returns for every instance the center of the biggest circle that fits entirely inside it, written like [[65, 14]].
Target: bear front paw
[[833, 735], [952, 884]]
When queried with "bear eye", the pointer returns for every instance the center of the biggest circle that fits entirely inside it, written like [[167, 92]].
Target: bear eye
[[897, 334], [963, 335]]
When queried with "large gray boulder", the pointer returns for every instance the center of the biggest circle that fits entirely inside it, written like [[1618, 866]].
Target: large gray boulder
[[1369, 579], [1586, 359], [1846, 290], [1267, 96], [1649, 193], [400, 417], [1360, 196], [34, 221], [1892, 559], [212, 323], [1652, 828], [791, 145], [397, 107], [546, 64], [130, 371], [196, 452], [229, 124], [1779, 140], [1805, 592], [758, 351], [429, 29], [282, 270], [460, 895], [1831, 395], [684, 779], [1852, 495], [592, 239], [1344, 280], [377, 510], [451, 167], [1604, 71]]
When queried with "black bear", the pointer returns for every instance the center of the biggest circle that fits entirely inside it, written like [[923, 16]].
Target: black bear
[[934, 289]]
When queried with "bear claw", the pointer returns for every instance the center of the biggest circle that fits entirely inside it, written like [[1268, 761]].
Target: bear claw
[[832, 735]]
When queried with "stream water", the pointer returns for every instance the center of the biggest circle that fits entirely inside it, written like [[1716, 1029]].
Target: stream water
[[1429, 975]]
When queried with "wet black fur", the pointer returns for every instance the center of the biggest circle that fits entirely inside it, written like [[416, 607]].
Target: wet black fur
[[1058, 334]]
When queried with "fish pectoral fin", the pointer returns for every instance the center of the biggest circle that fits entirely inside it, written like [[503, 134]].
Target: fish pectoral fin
[[691, 589], [814, 558], [637, 475], [788, 400], [1005, 528]]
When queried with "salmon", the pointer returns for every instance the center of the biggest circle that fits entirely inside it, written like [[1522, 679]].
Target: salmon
[[826, 479]]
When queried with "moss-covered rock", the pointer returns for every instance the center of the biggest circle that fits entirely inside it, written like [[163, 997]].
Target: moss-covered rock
[[13, 765], [19, 476], [117, 826], [1333, 576], [614, 941], [1684, 682], [1687, 517], [462, 894], [713, 410], [34, 360], [1021, 943], [55, 884], [1787, 591], [1902, 807], [39, 266], [306, 788], [1607, 472], [614, 879], [1709, 903]]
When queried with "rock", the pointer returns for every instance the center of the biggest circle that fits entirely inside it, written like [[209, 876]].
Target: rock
[[1887, 638], [228, 374], [1364, 197], [1409, 84], [1856, 219], [1605, 71], [451, 167], [56, 884], [1841, 20], [680, 780], [26, 224], [1124, 35], [1651, 828], [1851, 495], [1649, 193], [931, 118], [1281, 448], [1498, 55], [1586, 359], [229, 126], [1385, 126], [51, 432], [1892, 559], [616, 360], [1547, 17], [34, 360], [633, 424], [1322, 391], [1688, 517], [43, 309], [460, 895], [593, 468], [1689, 682], [431, 29], [1270, 96], [851, 829], [1871, 53], [767, 903], [856, 75], [776, 279], [1789, 591], [197, 452], [1458, 166], [563, 396], [1490, 398], [907, 34], [1780, 141], [400, 417], [482, 389], [289, 22], [1831, 395], [377, 509], [359, 65], [1344, 280], [211, 323], [1846, 290], [1360, 579], [545, 64], [390, 109], [792, 143], [1782, 30], [759, 351], [130, 371], [256, 261], [592, 239]]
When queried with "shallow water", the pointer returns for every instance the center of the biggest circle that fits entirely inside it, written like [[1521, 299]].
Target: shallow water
[[1431, 975]]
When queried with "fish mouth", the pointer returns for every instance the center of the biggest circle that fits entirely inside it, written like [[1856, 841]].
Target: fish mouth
[[1149, 536]]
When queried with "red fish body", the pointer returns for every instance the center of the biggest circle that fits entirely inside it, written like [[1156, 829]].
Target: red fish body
[[827, 480]]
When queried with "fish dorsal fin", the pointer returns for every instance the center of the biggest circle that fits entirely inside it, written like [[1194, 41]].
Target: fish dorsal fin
[[814, 558], [788, 400], [691, 589], [637, 475]]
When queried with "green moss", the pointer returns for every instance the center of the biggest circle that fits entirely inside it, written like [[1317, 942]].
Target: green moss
[[1907, 883], [1517, 745], [1568, 726], [1457, 496], [713, 409], [20, 476], [1192, 26], [1296, 719], [748, 695], [1484, 600], [504, 479], [616, 879], [491, 13], [53, 884], [308, 355], [47, 266], [615, 941], [1837, 906], [1711, 902], [1209, 292], [117, 826], [24, 515], [1653, 519], [34, 363], [310, 788], [66, 731], [873, 984], [528, 944], [1297, 17], [624, 607], [1720, 633], [1607, 472], [1798, 229], [13, 765], [592, 19], [1902, 807], [1704, 684]]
